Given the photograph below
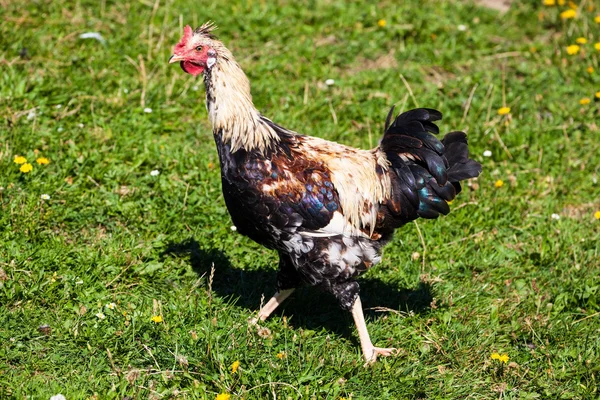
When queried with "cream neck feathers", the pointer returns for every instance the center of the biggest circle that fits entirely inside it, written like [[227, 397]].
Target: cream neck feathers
[[230, 107]]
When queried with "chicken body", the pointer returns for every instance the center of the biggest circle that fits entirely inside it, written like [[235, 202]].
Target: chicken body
[[287, 200], [327, 209]]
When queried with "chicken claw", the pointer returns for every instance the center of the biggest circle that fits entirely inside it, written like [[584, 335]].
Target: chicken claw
[[380, 351]]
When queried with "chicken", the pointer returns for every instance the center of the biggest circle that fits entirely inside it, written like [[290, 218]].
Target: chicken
[[327, 209]]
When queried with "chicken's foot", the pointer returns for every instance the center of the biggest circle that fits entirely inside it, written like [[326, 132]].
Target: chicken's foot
[[271, 305], [370, 352]]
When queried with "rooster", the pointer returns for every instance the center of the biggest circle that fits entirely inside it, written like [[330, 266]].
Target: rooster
[[327, 209]]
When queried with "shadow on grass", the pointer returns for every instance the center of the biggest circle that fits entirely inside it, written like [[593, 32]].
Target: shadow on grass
[[308, 307]]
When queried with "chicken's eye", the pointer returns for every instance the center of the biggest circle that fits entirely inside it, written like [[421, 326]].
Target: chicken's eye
[[199, 48]]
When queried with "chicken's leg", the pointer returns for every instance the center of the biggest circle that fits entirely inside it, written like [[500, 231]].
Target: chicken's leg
[[370, 352], [271, 305]]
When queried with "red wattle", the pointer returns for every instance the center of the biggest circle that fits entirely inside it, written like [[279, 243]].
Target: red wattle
[[191, 68]]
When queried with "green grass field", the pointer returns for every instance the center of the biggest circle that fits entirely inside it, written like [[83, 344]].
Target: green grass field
[[107, 285]]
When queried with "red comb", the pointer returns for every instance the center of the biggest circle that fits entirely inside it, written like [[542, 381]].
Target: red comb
[[187, 34]]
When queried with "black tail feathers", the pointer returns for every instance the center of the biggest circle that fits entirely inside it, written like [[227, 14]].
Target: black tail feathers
[[412, 134], [428, 170], [456, 151]]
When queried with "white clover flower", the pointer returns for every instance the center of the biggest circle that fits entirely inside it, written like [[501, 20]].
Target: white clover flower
[[125, 90], [487, 153], [461, 27], [111, 306], [329, 82], [45, 196], [31, 115], [100, 315], [60, 129], [195, 88], [58, 106], [80, 125], [555, 216], [147, 110], [154, 172], [58, 397], [233, 228]]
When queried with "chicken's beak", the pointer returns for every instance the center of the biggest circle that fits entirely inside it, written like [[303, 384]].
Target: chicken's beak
[[175, 58]]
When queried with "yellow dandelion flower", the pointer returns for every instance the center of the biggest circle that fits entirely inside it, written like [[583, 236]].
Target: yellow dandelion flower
[[503, 110], [597, 46], [572, 5], [549, 2], [381, 23], [20, 160], [561, 2], [573, 49], [281, 355], [157, 319], [25, 168], [500, 357], [568, 14], [590, 69], [585, 101], [581, 40], [597, 19], [42, 161], [234, 366], [597, 215], [598, 95], [223, 396], [499, 183]]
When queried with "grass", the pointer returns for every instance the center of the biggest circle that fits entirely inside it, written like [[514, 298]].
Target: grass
[[498, 275]]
